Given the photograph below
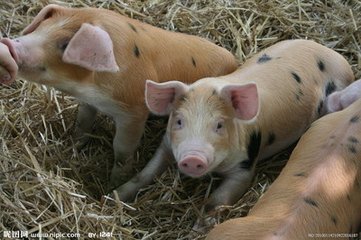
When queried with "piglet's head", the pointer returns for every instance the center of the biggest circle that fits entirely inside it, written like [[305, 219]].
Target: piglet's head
[[62, 43], [202, 127]]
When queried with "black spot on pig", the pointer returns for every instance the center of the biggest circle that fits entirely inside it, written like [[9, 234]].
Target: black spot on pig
[[254, 145], [352, 139], [132, 27], [299, 94], [301, 174], [334, 220], [296, 77], [320, 107], [355, 119], [194, 62], [321, 65], [271, 138], [357, 184], [264, 58], [348, 197], [330, 88], [136, 51], [311, 202], [351, 149]]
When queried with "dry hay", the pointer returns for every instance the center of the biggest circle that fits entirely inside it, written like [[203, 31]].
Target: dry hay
[[47, 186]]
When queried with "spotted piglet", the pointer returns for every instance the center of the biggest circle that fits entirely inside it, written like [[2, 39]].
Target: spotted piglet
[[103, 59], [226, 124], [317, 194]]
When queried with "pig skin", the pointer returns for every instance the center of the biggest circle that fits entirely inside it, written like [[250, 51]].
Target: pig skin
[[318, 193], [226, 124]]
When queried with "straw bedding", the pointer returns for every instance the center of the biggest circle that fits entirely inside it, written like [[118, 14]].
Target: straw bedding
[[47, 186]]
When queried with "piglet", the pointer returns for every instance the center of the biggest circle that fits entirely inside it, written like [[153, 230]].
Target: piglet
[[103, 59], [8, 66], [341, 99], [226, 124], [317, 194]]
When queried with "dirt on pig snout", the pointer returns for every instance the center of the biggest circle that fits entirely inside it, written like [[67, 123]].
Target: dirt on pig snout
[[47, 185]]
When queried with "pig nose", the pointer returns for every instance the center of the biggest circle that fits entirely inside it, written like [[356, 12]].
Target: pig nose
[[11, 47], [193, 166]]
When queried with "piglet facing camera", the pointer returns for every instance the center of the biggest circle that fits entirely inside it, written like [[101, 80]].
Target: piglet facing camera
[[103, 59], [226, 124]]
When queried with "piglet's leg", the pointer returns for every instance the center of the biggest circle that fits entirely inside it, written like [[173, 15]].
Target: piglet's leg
[[156, 166], [84, 123], [129, 130], [233, 186]]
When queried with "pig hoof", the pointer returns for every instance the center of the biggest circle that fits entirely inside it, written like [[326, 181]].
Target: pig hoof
[[115, 181], [122, 170], [126, 192], [204, 225]]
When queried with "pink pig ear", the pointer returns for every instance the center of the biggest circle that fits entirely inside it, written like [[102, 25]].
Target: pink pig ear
[[44, 14], [159, 97], [92, 48], [244, 99], [333, 102]]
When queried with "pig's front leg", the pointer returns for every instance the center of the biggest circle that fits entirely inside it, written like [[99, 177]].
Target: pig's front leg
[[84, 123], [156, 166], [129, 130], [234, 185]]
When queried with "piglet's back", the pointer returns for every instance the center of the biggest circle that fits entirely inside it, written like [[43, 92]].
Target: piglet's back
[[147, 52]]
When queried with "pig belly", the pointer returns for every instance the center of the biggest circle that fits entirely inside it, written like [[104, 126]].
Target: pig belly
[[94, 97]]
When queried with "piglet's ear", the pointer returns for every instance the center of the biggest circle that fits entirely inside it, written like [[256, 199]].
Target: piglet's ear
[[333, 102], [44, 14], [244, 99], [92, 48], [160, 97]]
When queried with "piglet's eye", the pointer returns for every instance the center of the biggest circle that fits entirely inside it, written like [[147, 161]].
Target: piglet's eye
[[178, 124], [219, 128]]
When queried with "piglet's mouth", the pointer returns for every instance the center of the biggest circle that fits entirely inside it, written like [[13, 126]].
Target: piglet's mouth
[[193, 165]]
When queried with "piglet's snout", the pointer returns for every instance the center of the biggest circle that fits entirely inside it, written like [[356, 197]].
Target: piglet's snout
[[11, 45], [194, 166]]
